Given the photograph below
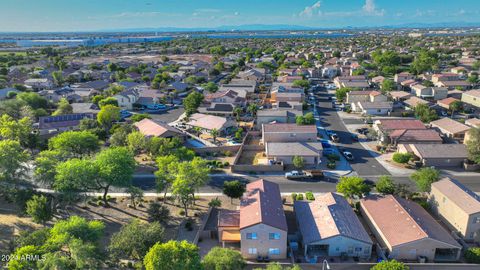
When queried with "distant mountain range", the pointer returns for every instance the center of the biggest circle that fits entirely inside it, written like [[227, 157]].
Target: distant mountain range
[[286, 27]]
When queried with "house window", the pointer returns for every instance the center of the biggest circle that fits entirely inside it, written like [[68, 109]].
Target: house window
[[379, 110], [274, 236], [358, 249], [252, 251], [476, 220], [252, 236], [274, 251]]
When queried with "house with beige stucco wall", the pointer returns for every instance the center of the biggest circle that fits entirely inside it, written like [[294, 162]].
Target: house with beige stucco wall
[[406, 231], [458, 206], [260, 226]]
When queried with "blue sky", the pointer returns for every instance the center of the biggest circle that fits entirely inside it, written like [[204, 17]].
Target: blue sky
[[88, 15]]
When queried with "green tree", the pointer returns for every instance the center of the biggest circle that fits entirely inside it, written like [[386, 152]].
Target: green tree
[[116, 166], [76, 175], [298, 162], [165, 175], [385, 185], [136, 142], [17, 263], [233, 189], [192, 102], [252, 108], [238, 112], [214, 133], [278, 266], [223, 259], [390, 265], [108, 115], [12, 160], [305, 84], [401, 157], [173, 255], [425, 177], [46, 164], [63, 107], [388, 85], [472, 255], [135, 239], [473, 144], [136, 195], [341, 94], [108, 101], [351, 186], [139, 117], [455, 106], [58, 78], [34, 100], [210, 87], [75, 143], [425, 61], [425, 114], [39, 209], [18, 130]]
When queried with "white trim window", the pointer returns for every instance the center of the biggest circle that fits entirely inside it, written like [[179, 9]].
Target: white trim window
[[252, 250], [274, 251], [274, 236], [252, 236]]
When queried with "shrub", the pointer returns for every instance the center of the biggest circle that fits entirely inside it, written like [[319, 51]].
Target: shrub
[[227, 153], [189, 225], [309, 196], [472, 255], [333, 157], [181, 212], [299, 197], [294, 196], [401, 158], [157, 212], [226, 164], [215, 203]]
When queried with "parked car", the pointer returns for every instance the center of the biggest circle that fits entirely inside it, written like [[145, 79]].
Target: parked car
[[362, 130], [298, 175], [335, 137], [354, 137], [347, 154]]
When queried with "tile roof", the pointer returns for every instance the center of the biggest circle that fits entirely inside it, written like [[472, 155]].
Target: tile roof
[[441, 150], [150, 127], [447, 101], [207, 121], [399, 94], [450, 125], [473, 122], [311, 149], [401, 221], [460, 195], [328, 216], [473, 93], [289, 128], [416, 135], [389, 124], [262, 204]]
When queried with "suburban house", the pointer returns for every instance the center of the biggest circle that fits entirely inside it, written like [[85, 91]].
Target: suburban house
[[328, 226], [429, 93], [365, 96], [399, 95], [404, 131], [61, 123], [260, 225], [473, 122], [373, 108], [85, 108], [437, 155], [208, 123], [254, 74], [413, 102], [152, 128], [226, 96], [406, 231], [285, 141], [458, 206], [127, 98], [450, 128], [472, 98], [39, 84], [276, 116], [403, 76], [446, 102], [359, 82]]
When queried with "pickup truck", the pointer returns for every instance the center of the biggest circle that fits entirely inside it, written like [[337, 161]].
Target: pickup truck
[[298, 175]]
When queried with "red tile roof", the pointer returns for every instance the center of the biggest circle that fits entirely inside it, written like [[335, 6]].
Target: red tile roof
[[262, 204], [389, 124]]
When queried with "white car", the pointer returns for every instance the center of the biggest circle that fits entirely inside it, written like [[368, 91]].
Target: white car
[[348, 155]]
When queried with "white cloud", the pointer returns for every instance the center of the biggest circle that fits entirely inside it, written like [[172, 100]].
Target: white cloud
[[370, 8], [309, 10]]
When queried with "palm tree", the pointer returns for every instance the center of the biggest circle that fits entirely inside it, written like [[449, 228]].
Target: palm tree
[[214, 132], [252, 108], [197, 130], [237, 111]]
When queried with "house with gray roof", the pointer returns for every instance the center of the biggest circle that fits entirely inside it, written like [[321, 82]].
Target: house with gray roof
[[329, 227]]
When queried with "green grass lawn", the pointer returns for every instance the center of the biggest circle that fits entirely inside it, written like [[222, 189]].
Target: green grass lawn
[[16, 53]]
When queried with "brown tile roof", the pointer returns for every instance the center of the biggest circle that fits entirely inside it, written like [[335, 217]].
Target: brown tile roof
[[389, 124], [473, 93], [415, 135], [447, 101], [150, 127], [460, 195], [305, 149], [290, 128], [450, 125], [473, 122], [441, 150], [399, 94], [414, 101], [401, 221], [208, 122], [328, 216], [262, 204]]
